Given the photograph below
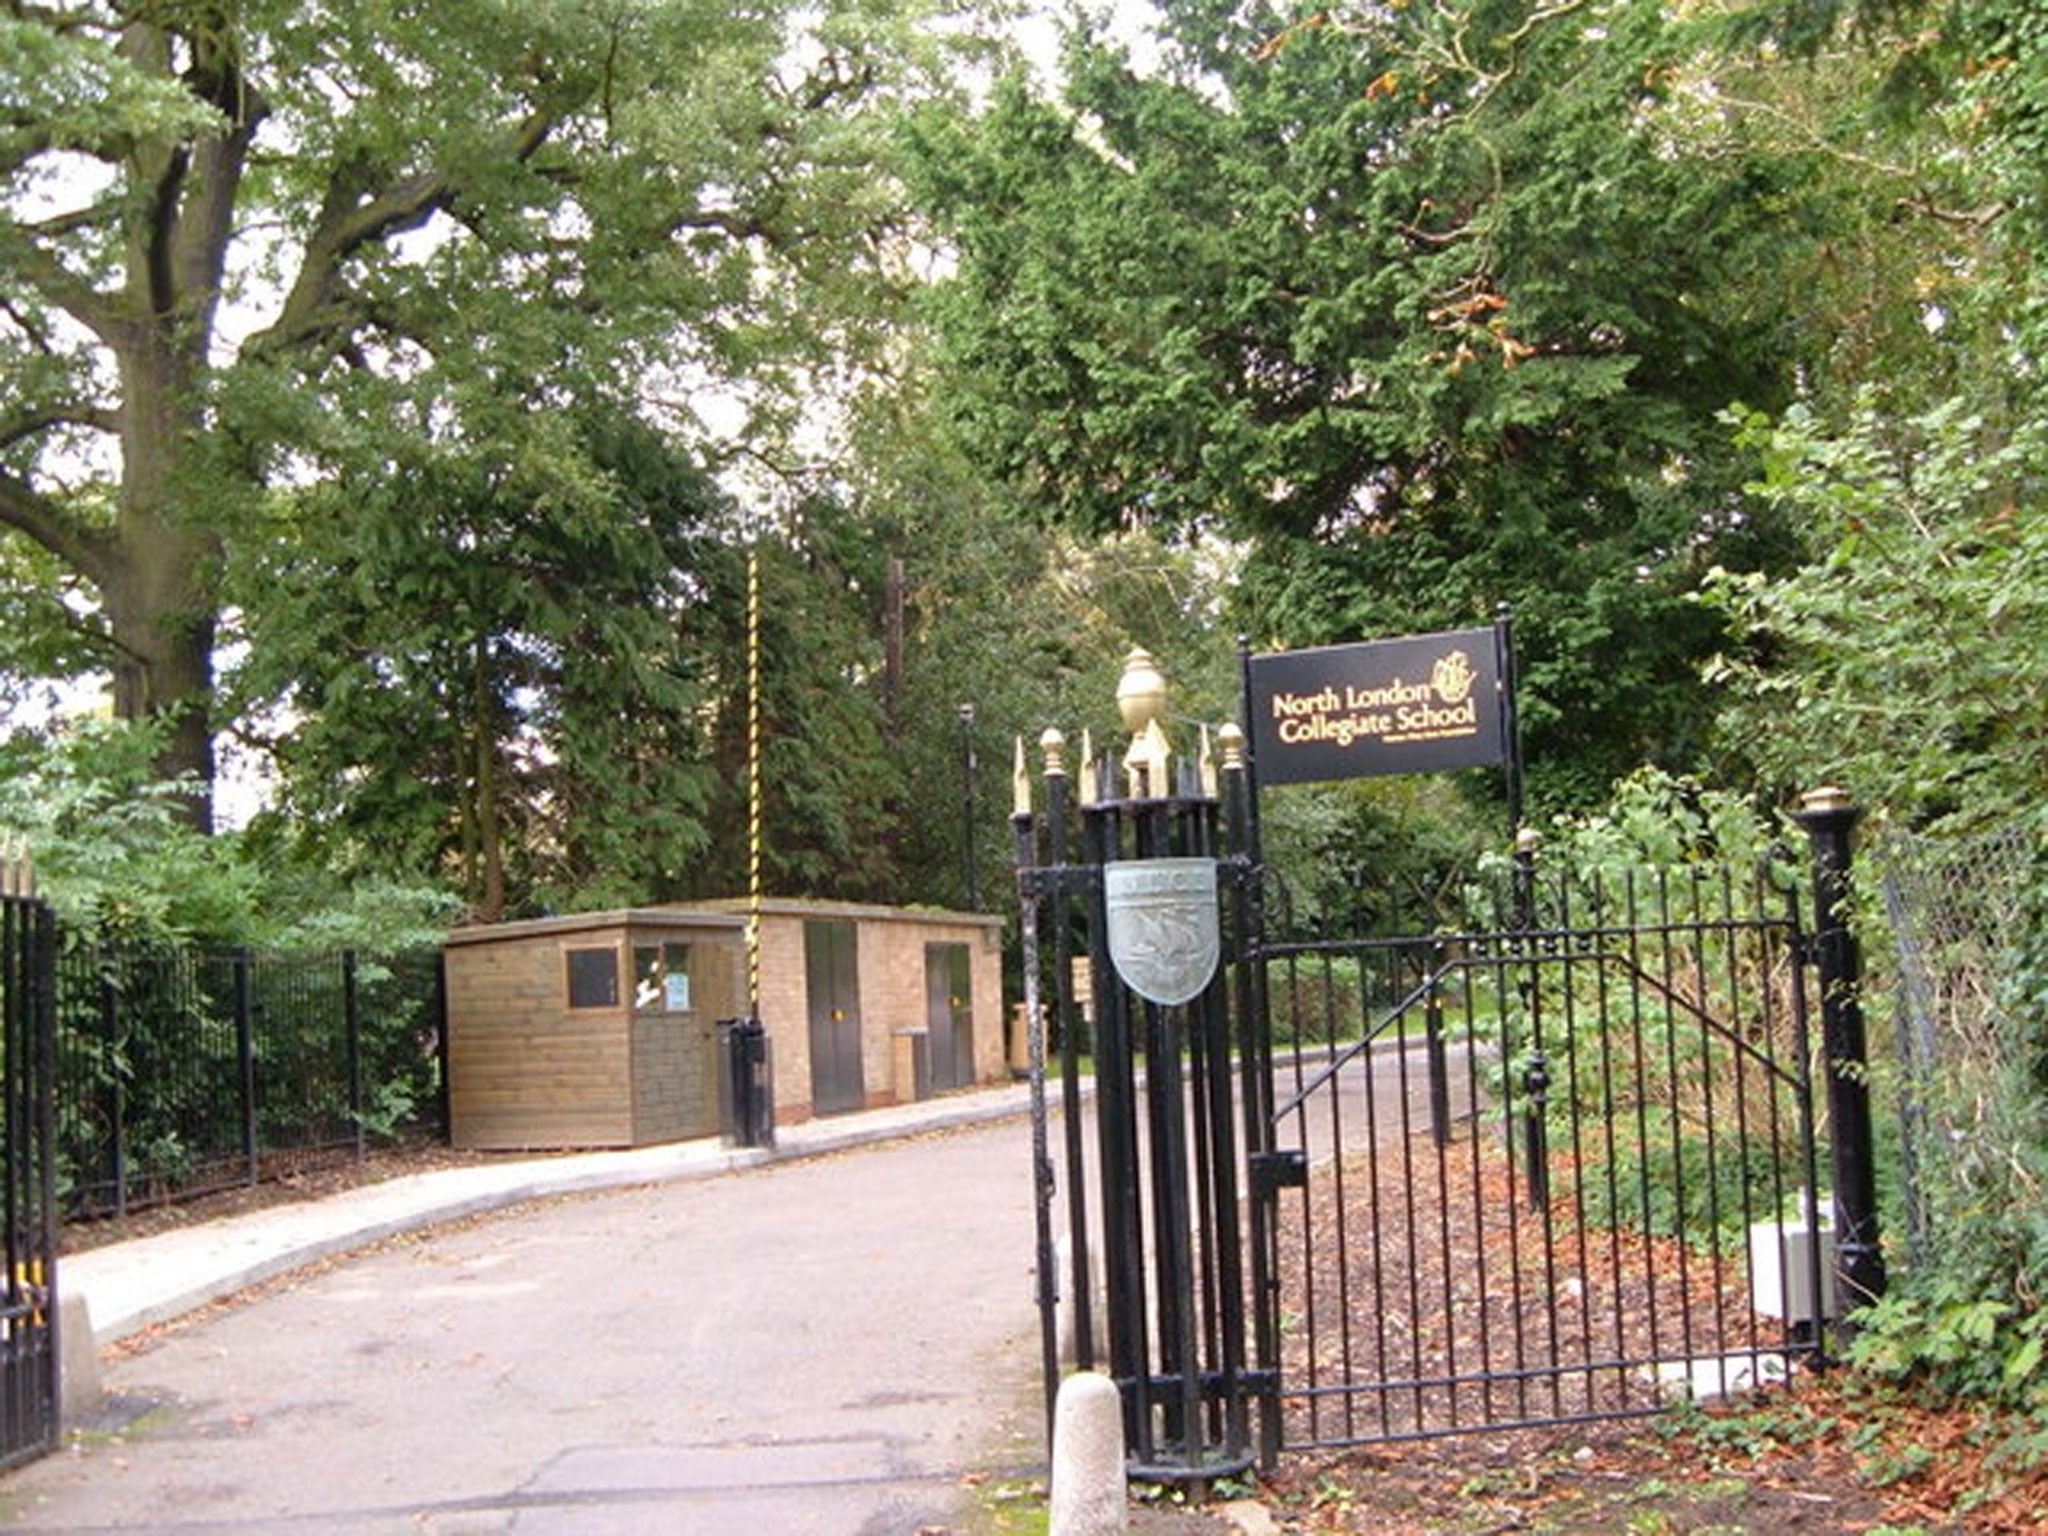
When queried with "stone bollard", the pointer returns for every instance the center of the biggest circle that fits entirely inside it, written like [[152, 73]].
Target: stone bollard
[[1088, 1458], [79, 1391]]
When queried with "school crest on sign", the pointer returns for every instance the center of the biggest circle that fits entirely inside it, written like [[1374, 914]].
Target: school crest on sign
[[1164, 937]]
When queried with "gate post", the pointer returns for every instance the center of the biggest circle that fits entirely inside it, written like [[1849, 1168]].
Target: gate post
[[30, 1346], [1167, 1215], [245, 1054], [352, 1045], [1828, 815]]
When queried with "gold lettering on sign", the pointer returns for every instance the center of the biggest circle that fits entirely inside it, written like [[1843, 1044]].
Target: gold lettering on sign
[[1395, 713]]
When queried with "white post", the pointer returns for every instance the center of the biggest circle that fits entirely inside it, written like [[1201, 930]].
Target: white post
[[1088, 1458]]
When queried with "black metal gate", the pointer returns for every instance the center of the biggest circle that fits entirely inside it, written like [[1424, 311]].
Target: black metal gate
[[1561, 1166], [1554, 1169], [28, 1314]]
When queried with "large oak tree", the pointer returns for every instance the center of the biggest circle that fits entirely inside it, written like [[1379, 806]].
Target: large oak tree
[[255, 244]]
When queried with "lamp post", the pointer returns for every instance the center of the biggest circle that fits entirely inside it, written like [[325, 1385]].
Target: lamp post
[[967, 805]]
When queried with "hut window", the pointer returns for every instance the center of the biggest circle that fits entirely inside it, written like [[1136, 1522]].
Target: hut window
[[593, 978], [661, 978]]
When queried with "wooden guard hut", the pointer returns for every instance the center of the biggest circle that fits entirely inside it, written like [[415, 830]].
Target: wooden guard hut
[[601, 1030], [598, 1030]]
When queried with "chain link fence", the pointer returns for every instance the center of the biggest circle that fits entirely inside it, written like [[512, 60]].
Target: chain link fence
[[1956, 910]]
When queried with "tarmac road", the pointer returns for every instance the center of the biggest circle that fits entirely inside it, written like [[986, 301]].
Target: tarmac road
[[822, 1346]]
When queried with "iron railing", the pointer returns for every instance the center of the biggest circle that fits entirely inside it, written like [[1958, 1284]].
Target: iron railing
[[1533, 1161], [186, 1070], [28, 1283]]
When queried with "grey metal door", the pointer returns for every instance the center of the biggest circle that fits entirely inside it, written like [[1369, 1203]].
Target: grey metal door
[[949, 1015], [832, 983]]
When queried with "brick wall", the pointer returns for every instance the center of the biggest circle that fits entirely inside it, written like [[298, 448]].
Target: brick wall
[[890, 951]]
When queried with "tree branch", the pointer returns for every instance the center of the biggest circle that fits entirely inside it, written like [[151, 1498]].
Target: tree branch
[[213, 176], [87, 550], [350, 221], [42, 273], [27, 424], [24, 141], [727, 221], [59, 226]]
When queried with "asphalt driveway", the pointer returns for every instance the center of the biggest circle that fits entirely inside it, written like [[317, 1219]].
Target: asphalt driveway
[[827, 1346]]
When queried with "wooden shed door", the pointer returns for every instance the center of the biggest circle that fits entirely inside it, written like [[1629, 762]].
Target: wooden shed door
[[832, 980], [949, 1015]]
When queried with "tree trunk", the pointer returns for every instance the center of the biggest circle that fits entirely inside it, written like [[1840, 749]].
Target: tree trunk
[[158, 583], [164, 670], [159, 570]]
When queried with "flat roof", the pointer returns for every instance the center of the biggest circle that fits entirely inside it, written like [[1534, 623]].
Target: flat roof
[[725, 914], [618, 918], [793, 906]]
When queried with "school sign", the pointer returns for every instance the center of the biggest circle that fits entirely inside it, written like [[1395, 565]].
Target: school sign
[[1421, 704]]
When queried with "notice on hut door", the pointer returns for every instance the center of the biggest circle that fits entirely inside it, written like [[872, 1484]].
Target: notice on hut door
[[1421, 704]]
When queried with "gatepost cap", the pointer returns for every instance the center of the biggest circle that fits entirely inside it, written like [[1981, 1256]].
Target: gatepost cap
[[1141, 692]]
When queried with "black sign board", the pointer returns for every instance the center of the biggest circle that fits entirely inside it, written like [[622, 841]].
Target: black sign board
[[1421, 704]]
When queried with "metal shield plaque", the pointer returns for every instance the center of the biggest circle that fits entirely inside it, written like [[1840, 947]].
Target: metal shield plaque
[[1164, 937]]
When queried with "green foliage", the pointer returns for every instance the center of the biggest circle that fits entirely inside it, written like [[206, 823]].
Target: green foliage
[[109, 841], [1907, 660], [321, 911], [1904, 657], [1373, 856], [1956, 1336], [114, 854], [1414, 300], [1965, 1317], [1707, 1190], [465, 225], [1322, 1000], [1655, 822], [833, 790], [160, 1044], [492, 669], [392, 1109], [1696, 868]]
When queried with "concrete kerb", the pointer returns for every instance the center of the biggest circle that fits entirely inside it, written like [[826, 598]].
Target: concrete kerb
[[118, 1291]]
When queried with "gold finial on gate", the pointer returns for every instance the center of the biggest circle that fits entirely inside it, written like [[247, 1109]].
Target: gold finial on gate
[[1827, 800], [1054, 745], [1141, 700], [1020, 783], [1141, 692], [1148, 762], [1086, 792], [1230, 737]]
